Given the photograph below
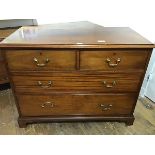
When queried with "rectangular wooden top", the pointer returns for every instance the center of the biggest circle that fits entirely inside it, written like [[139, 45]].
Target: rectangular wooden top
[[75, 35]]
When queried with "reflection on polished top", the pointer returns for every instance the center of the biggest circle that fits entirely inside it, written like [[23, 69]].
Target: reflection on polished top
[[75, 34]]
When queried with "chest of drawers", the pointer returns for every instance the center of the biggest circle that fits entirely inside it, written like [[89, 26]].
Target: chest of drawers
[[76, 72]]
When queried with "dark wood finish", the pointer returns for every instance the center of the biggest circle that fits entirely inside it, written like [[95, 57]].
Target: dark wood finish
[[78, 76], [23, 121], [130, 121], [129, 59], [76, 82], [75, 46], [144, 122], [77, 34], [76, 104], [24, 60]]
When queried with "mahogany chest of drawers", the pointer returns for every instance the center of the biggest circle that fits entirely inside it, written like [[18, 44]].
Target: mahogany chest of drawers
[[76, 72]]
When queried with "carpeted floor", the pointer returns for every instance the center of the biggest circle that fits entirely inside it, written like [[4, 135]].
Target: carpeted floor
[[144, 122]]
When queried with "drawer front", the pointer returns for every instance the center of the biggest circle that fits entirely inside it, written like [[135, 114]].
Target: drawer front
[[110, 60], [40, 60], [98, 83], [76, 104]]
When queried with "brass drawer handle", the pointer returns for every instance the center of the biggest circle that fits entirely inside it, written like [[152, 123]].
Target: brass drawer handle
[[41, 64], [106, 107], [47, 104], [49, 84], [109, 85], [117, 61]]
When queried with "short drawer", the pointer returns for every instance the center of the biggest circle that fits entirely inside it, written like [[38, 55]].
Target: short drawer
[[40, 60], [110, 60], [76, 104], [47, 82]]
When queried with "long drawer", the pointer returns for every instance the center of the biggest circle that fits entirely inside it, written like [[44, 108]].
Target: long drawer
[[111, 60], [44, 60], [48, 82], [76, 104]]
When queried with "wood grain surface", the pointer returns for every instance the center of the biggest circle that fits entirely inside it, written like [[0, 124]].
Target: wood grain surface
[[76, 81], [144, 123], [76, 104], [75, 35], [97, 60], [20, 60]]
